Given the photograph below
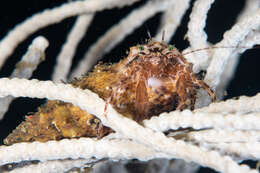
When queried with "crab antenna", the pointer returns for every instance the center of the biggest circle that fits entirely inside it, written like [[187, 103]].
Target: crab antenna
[[163, 34], [149, 35], [222, 47]]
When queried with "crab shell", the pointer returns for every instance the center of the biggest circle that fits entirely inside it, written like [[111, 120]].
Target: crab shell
[[158, 78]]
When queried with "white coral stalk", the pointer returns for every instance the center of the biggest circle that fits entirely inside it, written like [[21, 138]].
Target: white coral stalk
[[200, 120], [241, 106], [116, 34], [220, 136], [250, 7], [24, 69], [85, 148], [129, 128], [231, 38], [197, 36], [248, 150], [171, 19], [51, 16], [55, 166], [253, 38], [64, 59]]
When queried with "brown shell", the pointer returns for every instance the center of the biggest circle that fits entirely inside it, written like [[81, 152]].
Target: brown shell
[[152, 79]]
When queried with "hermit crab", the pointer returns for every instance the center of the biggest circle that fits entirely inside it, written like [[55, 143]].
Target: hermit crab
[[153, 78], [157, 78]]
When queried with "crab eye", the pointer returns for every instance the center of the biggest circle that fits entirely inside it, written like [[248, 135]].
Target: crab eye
[[141, 47], [171, 47]]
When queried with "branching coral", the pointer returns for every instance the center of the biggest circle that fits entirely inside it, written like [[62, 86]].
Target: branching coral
[[219, 135]]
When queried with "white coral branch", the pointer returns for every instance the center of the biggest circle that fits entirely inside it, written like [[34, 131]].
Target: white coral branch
[[24, 69], [249, 150], [196, 34], [64, 59], [242, 105], [85, 148], [129, 128], [200, 120], [227, 136], [171, 19], [55, 166], [116, 34], [51, 16], [231, 38]]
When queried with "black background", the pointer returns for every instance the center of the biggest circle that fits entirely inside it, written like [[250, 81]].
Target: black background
[[220, 18]]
